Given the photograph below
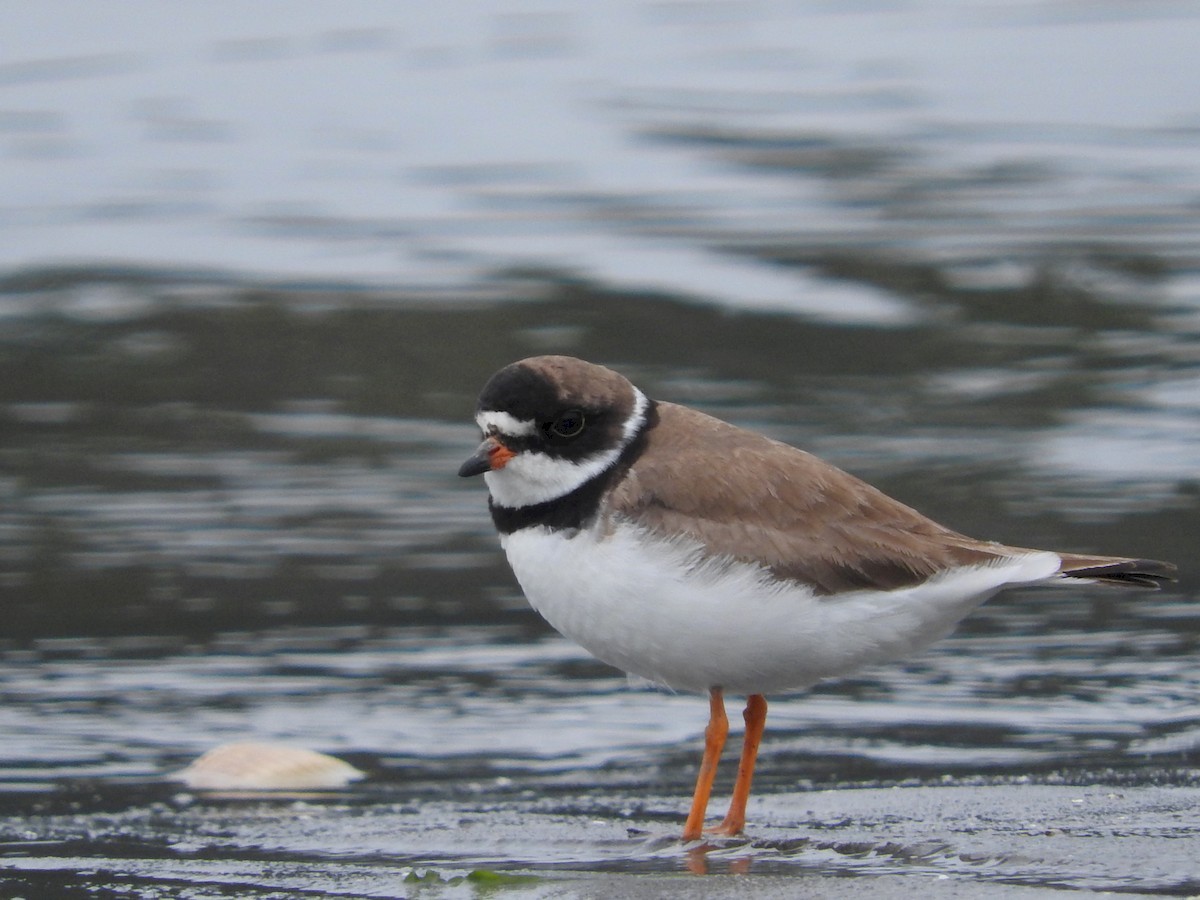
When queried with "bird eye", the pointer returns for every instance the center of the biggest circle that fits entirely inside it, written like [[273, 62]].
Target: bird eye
[[568, 424]]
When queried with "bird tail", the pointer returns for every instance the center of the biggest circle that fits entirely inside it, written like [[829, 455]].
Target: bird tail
[[1118, 571]]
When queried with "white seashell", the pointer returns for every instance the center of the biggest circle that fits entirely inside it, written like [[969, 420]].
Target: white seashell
[[266, 767]]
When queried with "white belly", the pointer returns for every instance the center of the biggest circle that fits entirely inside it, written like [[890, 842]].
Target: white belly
[[650, 608]]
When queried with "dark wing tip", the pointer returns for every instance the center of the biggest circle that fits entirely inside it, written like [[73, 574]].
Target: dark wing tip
[[1145, 573]]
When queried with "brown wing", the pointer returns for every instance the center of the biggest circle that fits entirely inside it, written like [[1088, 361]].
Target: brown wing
[[747, 497]]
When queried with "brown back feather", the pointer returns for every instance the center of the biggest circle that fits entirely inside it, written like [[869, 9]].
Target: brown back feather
[[798, 516], [802, 518]]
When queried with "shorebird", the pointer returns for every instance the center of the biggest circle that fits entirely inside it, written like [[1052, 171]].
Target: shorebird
[[706, 557]]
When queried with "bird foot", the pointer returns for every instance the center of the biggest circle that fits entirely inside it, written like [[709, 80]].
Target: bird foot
[[726, 829]]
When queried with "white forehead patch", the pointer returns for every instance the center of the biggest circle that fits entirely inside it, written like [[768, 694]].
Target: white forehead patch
[[505, 423]]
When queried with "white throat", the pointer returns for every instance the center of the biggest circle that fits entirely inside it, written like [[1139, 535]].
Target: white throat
[[530, 478]]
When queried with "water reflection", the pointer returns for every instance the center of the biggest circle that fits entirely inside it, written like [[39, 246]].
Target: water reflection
[[261, 446], [237, 518], [1122, 696]]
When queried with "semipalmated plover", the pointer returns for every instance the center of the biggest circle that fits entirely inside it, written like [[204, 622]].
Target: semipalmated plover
[[706, 557]]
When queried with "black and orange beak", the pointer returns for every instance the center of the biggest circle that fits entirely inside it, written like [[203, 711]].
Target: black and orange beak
[[490, 456]]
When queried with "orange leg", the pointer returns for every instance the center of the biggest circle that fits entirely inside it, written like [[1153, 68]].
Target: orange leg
[[756, 719], [714, 743]]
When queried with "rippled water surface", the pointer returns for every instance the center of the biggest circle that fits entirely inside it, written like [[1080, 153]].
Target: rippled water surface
[[256, 266]]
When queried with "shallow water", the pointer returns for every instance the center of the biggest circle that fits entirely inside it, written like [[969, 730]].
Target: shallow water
[[256, 269]]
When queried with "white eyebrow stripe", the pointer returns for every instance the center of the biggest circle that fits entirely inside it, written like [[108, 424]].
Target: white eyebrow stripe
[[505, 423]]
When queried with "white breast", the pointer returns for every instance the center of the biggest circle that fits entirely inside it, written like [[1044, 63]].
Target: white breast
[[654, 609]]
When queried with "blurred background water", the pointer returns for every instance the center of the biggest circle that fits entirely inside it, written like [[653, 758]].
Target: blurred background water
[[256, 260]]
